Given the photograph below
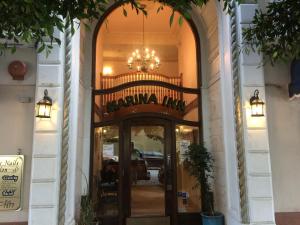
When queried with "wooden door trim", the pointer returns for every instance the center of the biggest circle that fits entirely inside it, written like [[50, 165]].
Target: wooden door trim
[[174, 174], [153, 116], [148, 121]]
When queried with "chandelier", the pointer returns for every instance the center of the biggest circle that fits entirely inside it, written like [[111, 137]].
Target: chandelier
[[145, 59]]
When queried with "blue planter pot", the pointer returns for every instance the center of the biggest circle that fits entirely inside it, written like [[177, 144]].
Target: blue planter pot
[[217, 219]]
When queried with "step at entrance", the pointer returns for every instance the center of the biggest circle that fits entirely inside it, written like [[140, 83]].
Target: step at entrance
[[162, 220]]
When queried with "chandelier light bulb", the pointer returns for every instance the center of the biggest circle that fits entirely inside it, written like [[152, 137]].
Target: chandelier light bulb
[[143, 60]]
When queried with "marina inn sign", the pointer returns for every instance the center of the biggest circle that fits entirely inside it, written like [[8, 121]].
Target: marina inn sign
[[139, 99]]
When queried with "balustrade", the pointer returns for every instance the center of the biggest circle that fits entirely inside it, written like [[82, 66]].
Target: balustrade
[[108, 82]]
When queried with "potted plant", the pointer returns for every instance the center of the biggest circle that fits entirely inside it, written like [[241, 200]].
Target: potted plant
[[86, 211], [275, 33], [87, 214], [200, 163]]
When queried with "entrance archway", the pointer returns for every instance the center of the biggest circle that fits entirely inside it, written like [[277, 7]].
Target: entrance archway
[[142, 121]]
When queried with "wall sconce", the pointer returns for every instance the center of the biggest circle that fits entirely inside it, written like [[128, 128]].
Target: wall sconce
[[43, 109], [107, 70], [257, 105]]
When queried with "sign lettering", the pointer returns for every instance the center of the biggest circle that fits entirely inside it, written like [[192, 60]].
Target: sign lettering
[[139, 99]]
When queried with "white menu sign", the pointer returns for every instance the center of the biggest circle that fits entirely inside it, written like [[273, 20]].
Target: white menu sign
[[183, 147], [108, 150]]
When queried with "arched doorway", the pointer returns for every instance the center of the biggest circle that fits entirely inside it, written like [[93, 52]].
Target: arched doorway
[[142, 119]]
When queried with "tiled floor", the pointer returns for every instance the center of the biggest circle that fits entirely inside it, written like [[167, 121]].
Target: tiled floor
[[147, 200]]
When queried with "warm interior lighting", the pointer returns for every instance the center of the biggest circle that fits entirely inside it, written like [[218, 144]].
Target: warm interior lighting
[[145, 59], [43, 107], [257, 105], [107, 70]]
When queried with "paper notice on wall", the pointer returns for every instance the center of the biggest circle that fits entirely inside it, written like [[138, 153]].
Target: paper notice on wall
[[108, 150], [183, 147], [11, 179]]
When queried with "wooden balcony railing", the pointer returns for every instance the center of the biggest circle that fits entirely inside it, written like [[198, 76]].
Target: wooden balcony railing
[[107, 82]]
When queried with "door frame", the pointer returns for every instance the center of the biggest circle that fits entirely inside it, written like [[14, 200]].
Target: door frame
[[121, 122], [169, 148]]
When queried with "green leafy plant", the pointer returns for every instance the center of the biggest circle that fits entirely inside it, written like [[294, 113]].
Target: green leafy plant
[[32, 21], [275, 33], [200, 164], [87, 214], [86, 211]]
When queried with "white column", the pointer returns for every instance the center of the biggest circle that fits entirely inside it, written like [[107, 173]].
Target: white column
[[74, 171], [257, 155], [45, 178], [231, 189]]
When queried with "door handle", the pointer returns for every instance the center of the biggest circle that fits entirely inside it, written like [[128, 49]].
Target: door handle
[[168, 160]]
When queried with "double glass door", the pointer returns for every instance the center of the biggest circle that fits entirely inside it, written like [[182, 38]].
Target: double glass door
[[139, 175]]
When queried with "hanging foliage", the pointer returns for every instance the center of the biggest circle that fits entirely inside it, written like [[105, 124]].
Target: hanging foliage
[[276, 32], [32, 21]]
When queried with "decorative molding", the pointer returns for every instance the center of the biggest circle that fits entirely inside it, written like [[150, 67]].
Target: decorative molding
[[192, 105], [212, 29], [50, 206], [214, 54], [259, 151], [255, 174], [65, 128], [43, 156], [146, 82], [214, 80], [51, 180], [15, 223], [238, 116]]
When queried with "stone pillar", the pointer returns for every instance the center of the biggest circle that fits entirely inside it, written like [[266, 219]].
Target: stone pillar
[[258, 201], [74, 172], [45, 175]]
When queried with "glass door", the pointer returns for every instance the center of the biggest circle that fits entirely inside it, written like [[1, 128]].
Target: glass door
[[147, 159], [188, 197], [149, 170], [106, 176]]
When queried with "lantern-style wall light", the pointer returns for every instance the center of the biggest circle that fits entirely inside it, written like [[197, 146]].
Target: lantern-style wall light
[[43, 109], [257, 105]]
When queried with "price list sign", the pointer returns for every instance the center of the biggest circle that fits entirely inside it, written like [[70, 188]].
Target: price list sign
[[11, 178]]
